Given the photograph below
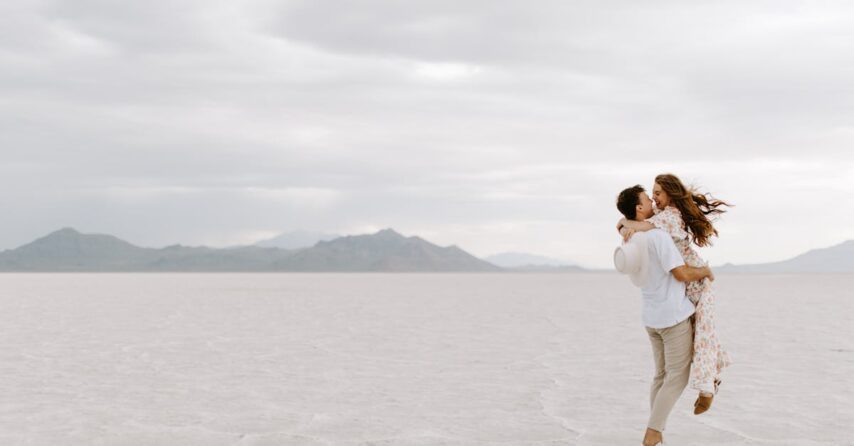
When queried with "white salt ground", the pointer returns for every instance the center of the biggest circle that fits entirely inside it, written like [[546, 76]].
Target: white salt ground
[[399, 359]]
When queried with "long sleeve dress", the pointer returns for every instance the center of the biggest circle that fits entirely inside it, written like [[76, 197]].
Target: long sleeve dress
[[709, 357]]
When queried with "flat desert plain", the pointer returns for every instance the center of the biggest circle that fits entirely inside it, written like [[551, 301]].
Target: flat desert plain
[[398, 359]]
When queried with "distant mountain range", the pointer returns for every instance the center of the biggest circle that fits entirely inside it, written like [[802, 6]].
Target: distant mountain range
[[387, 250], [520, 259], [296, 240], [835, 259], [524, 262]]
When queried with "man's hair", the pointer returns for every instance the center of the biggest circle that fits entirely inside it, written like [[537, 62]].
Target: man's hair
[[628, 201]]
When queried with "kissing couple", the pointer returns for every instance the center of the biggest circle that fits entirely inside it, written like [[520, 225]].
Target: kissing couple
[[658, 254]]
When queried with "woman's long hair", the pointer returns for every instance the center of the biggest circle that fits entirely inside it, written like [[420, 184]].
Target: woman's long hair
[[696, 208]]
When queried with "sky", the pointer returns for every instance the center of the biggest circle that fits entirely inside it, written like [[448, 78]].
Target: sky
[[491, 125]]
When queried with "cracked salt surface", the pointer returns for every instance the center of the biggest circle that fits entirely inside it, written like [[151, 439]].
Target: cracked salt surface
[[390, 359]]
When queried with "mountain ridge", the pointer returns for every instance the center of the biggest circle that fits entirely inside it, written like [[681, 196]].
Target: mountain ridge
[[296, 239], [387, 250], [514, 259], [68, 250], [837, 258]]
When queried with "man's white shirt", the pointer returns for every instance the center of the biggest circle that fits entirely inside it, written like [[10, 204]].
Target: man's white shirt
[[665, 303]]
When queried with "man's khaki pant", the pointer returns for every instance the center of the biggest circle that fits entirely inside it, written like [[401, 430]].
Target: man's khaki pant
[[672, 348]]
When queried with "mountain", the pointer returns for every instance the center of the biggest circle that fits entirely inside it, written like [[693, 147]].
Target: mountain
[[387, 250], [522, 259], [529, 263], [835, 259], [296, 240], [240, 259], [69, 250]]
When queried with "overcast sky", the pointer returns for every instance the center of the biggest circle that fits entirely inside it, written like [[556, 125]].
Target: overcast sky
[[492, 125]]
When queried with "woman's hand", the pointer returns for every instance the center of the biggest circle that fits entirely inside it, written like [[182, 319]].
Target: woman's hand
[[627, 233], [620, 224]]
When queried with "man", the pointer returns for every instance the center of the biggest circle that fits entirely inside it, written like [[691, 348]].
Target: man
[[657, 267]]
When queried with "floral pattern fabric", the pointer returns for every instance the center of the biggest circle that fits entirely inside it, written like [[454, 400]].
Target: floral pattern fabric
[[709, 357]]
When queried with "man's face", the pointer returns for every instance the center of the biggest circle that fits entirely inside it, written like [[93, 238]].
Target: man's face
[[644, 210]]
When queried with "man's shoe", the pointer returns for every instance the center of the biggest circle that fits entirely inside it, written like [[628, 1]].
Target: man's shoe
[[702, 404], [653, 438]]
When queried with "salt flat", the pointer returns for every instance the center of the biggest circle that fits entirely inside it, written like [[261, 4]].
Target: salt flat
[[389, 359]]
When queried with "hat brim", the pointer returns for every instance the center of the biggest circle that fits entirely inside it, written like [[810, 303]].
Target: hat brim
[[639, 277]]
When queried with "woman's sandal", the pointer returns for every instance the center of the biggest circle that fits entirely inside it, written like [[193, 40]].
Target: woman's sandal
[[703, 402]]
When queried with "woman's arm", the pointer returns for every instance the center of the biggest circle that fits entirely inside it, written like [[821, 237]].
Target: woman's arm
[[637, 225]]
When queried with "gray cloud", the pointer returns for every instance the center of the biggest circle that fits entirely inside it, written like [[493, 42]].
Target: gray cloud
[[491, 125]]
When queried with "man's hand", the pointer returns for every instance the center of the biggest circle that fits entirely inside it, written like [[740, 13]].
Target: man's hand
[[687, 273]]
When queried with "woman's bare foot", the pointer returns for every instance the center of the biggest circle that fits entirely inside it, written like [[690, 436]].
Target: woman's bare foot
[[652, 437]]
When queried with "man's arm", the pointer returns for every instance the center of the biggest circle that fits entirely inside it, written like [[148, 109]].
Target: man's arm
[[687, 273], [671, 260]]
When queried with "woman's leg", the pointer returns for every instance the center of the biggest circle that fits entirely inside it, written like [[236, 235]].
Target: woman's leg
[[709, 357]]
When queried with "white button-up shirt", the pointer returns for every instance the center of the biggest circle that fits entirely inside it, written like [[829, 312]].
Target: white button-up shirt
[[665, 303]]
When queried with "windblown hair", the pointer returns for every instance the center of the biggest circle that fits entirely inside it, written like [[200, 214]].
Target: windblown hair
[[628, 201], [696, 208]]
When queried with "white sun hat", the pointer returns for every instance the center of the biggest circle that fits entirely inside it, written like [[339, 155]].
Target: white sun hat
[[632, 258]]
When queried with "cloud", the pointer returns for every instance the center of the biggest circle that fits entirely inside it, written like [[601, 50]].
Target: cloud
[[196, 121]]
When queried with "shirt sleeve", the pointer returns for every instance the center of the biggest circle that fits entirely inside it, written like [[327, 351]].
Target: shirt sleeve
[[670, 220], [668, 255]]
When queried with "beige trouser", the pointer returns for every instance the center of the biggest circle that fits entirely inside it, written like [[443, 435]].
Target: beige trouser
[[672, 348]]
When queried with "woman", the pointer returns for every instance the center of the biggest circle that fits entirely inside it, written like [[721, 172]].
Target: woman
[[684, 214]]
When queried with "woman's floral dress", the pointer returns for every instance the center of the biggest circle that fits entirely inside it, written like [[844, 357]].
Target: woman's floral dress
[[709, 357]]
